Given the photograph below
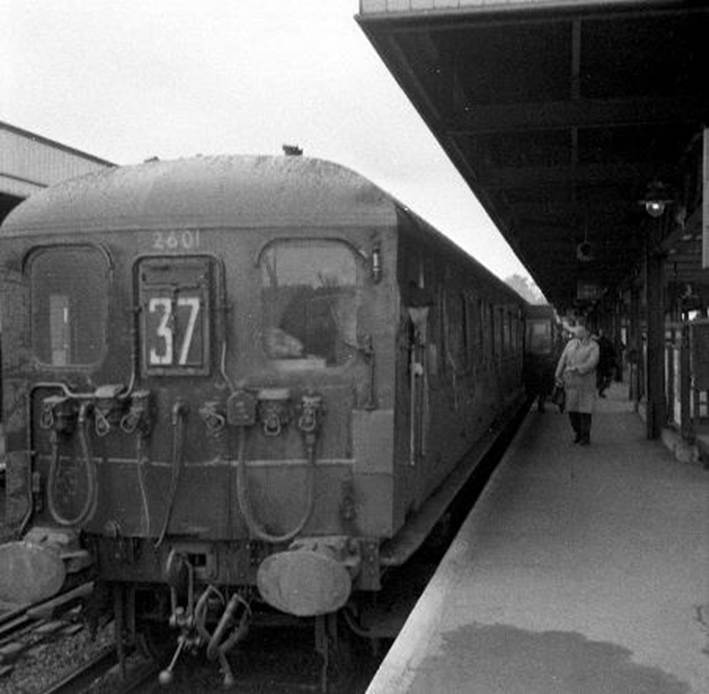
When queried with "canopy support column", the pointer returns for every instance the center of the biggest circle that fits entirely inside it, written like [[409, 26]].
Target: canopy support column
[[655, 378]]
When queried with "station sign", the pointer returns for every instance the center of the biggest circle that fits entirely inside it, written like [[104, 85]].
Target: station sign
[[588, 291]]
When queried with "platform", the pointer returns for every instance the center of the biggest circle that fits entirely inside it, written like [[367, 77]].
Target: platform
[[581, 570]]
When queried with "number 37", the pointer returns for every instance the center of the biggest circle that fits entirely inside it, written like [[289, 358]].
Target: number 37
[[164, 354]]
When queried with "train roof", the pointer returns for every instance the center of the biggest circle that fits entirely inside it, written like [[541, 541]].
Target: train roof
[[206, 192]]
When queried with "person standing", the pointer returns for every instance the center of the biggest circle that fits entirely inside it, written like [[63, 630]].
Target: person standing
[[606, 363], [576, 371]]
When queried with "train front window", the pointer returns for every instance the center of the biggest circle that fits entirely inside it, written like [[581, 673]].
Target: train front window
[[69, 305], [310, 296], [175, 314]]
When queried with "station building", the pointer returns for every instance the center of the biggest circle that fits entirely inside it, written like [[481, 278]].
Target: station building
[[30, 162]]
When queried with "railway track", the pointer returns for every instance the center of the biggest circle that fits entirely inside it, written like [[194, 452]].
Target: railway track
[[103, 672], [83, 677], [25, 631], [38, 641], [17, 618]]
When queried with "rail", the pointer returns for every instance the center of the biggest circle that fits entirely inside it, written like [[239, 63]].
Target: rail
[[23, 616], [99, 669], [86, 675], [26, 627]]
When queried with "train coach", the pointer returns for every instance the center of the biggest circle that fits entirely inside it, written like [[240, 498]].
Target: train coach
[[238, 381], [542, 348]]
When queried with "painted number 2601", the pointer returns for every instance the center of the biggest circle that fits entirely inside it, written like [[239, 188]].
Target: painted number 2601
[[176, 240]]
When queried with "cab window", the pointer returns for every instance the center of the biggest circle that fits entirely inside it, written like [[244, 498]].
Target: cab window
[[69, 300], [310, 296]]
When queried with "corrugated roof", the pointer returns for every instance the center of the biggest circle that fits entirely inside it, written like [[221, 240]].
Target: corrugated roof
[[30, 162], [52, 144]]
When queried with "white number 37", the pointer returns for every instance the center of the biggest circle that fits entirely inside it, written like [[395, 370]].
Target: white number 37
[[164, 354]]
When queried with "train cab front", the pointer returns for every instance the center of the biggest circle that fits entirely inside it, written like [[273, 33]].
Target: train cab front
[[192, 448]]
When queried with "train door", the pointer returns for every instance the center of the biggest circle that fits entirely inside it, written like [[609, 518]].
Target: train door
[[174, 297], [418, 383]]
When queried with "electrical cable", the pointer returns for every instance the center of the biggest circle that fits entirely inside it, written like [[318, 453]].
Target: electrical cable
[[141, 461], [242, 495], [179, 411], [89, 508]]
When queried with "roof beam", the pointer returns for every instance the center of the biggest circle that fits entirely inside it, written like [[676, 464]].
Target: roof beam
[[578, 113], [515, 177], [690, 276], [447, 16]]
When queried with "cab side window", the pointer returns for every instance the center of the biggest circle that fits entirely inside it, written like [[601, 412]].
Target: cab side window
[[310, 291]]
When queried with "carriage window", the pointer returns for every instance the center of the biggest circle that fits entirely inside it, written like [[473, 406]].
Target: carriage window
[[69, 290], [492, 340], [479, 322], [310, 303], [507, 336], [457, 328]]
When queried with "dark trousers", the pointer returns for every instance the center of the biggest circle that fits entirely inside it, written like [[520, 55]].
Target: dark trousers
[[603, 380], [581, 424]]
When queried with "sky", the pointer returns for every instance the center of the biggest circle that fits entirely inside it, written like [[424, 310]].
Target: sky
[[130, 80]]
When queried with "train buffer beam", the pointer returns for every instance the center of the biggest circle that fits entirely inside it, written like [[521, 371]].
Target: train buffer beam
[[35, 568], [66, 542]]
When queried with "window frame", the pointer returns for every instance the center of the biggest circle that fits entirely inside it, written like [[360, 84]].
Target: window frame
[[531, 348], [141, 293], [303, 364], [28, 262]]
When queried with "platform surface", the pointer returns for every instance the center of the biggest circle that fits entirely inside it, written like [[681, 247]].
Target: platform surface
[[581, 570]]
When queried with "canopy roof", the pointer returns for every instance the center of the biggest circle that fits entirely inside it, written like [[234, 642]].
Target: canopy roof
[[559, 115]]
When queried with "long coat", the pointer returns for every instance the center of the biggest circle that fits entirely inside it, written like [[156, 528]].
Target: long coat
[[577, 369]]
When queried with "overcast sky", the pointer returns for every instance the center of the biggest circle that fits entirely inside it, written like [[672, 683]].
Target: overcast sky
[[133, 79]]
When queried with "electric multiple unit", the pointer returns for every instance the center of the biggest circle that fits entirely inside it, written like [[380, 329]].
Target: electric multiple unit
[[237, 381]]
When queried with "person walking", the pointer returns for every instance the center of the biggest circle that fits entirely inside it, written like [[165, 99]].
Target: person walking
[[576, 371]]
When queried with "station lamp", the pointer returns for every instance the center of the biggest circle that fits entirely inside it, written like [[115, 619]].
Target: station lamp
[[656, 199]]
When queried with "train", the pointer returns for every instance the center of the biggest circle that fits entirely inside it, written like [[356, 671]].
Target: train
[[543, 345], [236, 384]]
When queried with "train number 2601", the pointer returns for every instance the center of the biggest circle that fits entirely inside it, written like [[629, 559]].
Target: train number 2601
[[185, 240]]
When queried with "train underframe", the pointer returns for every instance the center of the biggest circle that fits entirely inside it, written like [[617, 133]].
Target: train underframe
[[208, 595], [188, 593]]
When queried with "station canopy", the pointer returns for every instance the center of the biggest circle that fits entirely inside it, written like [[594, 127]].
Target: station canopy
[[563, 117]]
